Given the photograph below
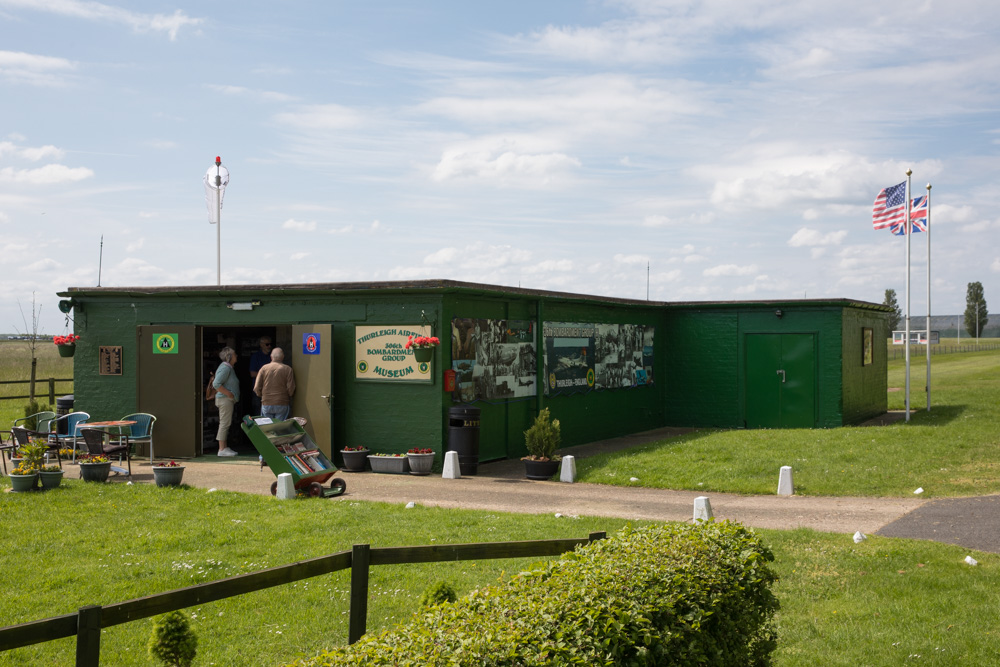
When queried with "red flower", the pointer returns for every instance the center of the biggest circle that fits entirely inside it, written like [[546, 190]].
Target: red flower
[[68, 339], [422, 341]]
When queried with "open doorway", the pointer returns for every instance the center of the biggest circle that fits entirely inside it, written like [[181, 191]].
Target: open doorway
[[246, 341]]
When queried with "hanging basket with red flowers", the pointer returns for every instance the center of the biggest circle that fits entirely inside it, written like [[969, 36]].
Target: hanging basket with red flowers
[[423, 347], [66, 344]]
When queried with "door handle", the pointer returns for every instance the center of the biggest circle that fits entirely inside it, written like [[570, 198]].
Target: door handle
[[782, 374], [328, 398]]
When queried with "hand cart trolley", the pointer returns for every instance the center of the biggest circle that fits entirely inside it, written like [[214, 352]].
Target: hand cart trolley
[[286, 447]]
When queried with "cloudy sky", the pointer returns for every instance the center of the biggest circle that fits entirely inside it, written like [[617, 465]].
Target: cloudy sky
[[733, 146]]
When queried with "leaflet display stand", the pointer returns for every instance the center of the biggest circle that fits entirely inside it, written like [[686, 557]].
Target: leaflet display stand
[[286, 447]]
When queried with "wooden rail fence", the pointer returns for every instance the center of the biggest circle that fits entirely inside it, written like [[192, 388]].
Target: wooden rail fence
[[50, 381], [88, 621]]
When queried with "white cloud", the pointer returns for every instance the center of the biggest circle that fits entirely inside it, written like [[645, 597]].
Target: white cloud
[[36, 154], [19, 67], [321, 117], [262, 95], [135, 245], [730, 270], [478, 256], [299, 256], [96, 11], [299, 225], [703, 218], [499, 162], [813, 237], [631, 259], [50, 174], [774, 175]]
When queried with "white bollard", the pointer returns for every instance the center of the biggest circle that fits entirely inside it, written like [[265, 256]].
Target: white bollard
[[702, 509], [451, 469], [567, 472], [286, 487], [785, 487]]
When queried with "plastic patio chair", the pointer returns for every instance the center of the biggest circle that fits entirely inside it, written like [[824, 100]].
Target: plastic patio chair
[[141, 430], [71, 423], [40, 422], [22, 436]]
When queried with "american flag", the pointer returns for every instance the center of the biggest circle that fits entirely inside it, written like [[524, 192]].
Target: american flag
[[918, 216], [890, 207]]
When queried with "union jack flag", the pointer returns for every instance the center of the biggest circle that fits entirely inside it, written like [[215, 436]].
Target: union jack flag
[[890, 207], [918, 218]]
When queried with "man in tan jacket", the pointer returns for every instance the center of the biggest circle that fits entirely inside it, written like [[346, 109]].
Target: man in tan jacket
[[275, 385]]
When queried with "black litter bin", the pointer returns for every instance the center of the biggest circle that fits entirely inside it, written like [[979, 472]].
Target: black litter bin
[[64, 406], [463, 437]]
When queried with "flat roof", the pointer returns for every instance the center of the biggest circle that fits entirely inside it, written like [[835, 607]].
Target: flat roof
[[435, 285]]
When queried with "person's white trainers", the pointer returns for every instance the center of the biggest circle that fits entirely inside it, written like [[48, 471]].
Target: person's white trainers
[[227, 452]]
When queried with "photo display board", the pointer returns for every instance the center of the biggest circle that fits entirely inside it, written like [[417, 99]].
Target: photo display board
[[493, 359], [584, 356]]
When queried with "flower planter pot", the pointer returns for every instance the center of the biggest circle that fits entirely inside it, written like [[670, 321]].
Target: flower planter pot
[[22, 483], [540, 470], [168, 475], [95, 472], [66, 350], [394, 465], [420, 464], [51, 480], [423, 354], [355, 461]]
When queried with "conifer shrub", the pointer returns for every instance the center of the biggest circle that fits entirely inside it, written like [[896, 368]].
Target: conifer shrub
[[438, 593], [660, 595], [173, 642]]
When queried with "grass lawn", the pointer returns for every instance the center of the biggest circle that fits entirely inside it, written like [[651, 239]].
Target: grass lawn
[[15, 364], [842, 604], [950, 451], [882, 602]]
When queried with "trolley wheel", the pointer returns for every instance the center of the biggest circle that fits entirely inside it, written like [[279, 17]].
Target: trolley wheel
[[315, 490], [338, 486], [274, 488]]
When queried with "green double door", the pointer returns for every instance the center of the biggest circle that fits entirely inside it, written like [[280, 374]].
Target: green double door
[[780, 388]]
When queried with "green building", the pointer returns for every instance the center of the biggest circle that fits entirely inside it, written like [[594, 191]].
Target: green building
[[604, 366]]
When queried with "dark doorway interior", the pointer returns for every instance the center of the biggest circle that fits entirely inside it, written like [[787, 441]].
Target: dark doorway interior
[[245, 340]]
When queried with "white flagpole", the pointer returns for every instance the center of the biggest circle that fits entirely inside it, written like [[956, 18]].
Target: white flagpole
[[906, 229], [218, 226], [928, 297]]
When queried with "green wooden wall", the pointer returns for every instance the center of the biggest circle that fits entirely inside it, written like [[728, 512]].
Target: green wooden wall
[[698, 370], [865, 391]]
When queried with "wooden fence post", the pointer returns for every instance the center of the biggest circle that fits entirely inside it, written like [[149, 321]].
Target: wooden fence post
[[88, 636], [52, 392], [360, 559]]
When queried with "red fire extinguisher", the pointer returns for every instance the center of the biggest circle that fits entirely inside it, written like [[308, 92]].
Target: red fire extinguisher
[[449, 379]]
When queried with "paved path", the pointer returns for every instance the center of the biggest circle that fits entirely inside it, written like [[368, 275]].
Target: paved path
[[501, 486]]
